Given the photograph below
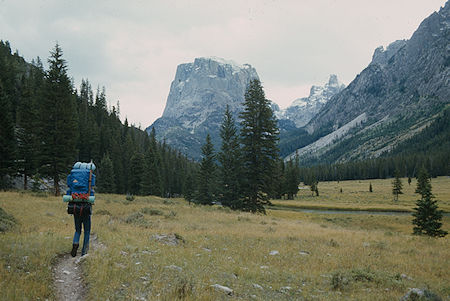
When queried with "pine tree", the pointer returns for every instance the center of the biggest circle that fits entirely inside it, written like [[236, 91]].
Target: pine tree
[[136, 173], [278, 180], [26, 122], [397, 185], [189, 188], [259, 137], [26, 133], [58, 120], [7, 145], [89, 133], [313, 186], [427, 217], [105, 180], [206, 175], [151, 182], [230, 160], [292, 181]]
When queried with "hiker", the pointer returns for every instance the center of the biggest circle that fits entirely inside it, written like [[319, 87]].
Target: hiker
[[80, 196]]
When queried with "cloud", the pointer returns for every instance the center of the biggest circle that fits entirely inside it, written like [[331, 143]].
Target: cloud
[[133, 47]]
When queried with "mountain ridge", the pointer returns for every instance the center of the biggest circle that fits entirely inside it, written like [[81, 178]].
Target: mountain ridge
[[303, 109], [401, 90]]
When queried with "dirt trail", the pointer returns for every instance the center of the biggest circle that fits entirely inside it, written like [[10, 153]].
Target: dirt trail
[[68, 276]]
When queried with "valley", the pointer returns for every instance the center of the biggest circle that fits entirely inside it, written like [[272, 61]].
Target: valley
[[154, 248]]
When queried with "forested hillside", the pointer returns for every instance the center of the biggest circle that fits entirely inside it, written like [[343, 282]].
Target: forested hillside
[[427, 149], [46, 125]]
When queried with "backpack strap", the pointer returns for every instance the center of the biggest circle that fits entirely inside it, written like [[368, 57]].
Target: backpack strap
[[90, 182]]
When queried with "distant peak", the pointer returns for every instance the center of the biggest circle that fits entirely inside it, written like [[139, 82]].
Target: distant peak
[[333, 79]]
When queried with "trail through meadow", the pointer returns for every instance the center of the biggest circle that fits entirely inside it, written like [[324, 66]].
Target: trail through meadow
[[68, 276]]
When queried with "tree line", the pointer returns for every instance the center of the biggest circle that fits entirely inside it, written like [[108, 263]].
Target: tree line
[[429, 149], [407, 165], [46, 125]]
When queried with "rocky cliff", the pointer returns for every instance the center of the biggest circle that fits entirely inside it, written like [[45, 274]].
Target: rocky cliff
[[197, 100]]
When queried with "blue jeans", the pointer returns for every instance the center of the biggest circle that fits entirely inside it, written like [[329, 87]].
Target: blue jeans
[[84, 220]]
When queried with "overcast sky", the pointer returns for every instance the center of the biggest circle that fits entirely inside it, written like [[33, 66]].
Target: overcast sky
[[133, 47]]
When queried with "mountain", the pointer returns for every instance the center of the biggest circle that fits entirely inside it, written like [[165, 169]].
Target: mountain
[[197, 100], [401, 92], [302, 110]]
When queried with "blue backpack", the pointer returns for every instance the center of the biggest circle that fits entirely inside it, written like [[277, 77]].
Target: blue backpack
[[81, 181]]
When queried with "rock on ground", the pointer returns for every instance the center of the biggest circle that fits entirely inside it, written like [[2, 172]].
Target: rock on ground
[[420, 294], [223, 289]]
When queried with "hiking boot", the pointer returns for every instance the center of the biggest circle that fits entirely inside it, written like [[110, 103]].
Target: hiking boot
[[74, 250]]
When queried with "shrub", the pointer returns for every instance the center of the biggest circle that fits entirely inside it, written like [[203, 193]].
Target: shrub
[[168, 202], [138, 219], [342, 279], [151, 211], [338, 281], [171, 214]]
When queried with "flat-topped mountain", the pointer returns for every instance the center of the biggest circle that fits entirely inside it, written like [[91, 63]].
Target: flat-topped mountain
[[197, 100]]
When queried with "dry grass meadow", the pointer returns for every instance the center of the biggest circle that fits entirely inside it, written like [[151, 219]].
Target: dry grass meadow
[[284, 255]]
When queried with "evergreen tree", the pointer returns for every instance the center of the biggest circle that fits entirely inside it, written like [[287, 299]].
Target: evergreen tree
[[189, 188], [397, 185], [230, 160], [89, 133], [25, 134], [206, 174], [136, 173], [58, 120], [26, 123], [7, 145], [100, 106], [427, 217], [292, 181], [151, 182], [105, 180], [314, 187], [259, 137], [278, 180]]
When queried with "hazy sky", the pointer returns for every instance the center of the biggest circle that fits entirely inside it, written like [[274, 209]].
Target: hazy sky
[[133, 47]]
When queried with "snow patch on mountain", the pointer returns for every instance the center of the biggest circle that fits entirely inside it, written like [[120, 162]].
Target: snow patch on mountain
[[302, 110]]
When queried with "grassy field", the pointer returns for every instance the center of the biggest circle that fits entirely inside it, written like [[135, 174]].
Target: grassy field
[[284, 255], [356, 196]]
